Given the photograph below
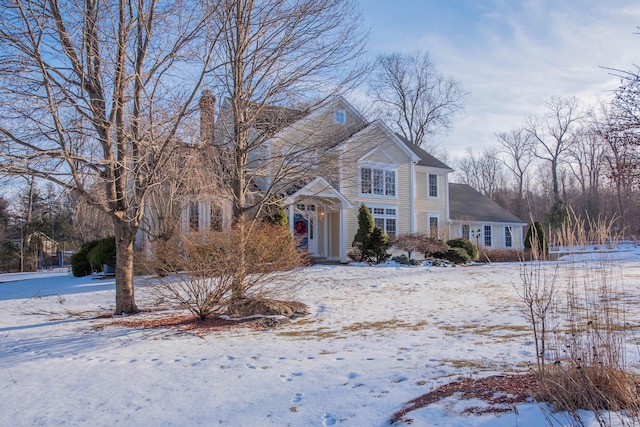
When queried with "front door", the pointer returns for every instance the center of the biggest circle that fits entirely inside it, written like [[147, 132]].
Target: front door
[[304, 228]]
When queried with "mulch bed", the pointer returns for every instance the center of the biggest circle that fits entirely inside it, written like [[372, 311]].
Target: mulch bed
[[500, 392], [180, 322]]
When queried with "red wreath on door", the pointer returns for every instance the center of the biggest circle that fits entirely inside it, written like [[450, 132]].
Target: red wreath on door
[[300, 227]]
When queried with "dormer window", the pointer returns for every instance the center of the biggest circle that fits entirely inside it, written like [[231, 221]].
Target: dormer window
[[340, 116]]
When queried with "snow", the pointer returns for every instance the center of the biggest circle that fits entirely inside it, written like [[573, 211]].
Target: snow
[[376, 338]]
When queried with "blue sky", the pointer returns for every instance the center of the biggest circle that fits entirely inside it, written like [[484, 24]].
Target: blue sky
[[512, 56]]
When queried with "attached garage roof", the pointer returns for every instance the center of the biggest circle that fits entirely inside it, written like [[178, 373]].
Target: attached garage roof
[[466, 204]]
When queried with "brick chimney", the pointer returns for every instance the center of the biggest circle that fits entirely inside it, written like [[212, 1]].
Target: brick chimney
[[207, 106]]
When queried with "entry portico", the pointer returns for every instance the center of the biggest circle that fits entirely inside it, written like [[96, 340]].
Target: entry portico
[[317, 219]]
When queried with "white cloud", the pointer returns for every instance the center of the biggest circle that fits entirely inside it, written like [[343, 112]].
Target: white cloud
[[515, 56]]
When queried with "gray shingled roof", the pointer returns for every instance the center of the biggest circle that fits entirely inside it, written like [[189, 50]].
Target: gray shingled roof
[[465, 203], [426, 159]]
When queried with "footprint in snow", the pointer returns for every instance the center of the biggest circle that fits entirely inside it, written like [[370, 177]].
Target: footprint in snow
[[328, 419], [285, 378], [296, 398], [249, 366]]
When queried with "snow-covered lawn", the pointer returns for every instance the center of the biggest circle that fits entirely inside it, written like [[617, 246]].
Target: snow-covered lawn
[[376, 338]]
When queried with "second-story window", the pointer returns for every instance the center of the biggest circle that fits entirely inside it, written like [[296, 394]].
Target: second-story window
[[432, 185], [379, 182]]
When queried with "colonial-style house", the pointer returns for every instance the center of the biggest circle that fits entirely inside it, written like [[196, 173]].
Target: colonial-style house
[[348, 161]]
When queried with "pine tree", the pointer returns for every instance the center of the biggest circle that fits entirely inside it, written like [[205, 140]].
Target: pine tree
[[379, 243], [361, 241], [536, 241], [275, 213]]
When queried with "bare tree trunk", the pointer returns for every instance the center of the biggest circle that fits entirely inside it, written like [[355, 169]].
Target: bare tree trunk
[[125, 235]]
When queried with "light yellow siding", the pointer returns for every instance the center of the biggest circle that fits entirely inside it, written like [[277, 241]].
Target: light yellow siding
[[425, 206], [376, 148]]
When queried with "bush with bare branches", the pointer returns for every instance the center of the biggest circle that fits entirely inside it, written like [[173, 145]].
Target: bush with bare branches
[[206, 265]]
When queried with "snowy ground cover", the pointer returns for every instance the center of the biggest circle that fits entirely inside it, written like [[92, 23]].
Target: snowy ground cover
[[376, 338]]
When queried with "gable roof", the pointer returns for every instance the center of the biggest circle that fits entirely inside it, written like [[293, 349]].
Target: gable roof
[[379, 125], [266, 119], [426, 159], [321, 189], [466, 204]]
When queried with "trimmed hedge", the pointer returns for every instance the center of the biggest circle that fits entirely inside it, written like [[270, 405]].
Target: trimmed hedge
[[467, 245], [454, 255]]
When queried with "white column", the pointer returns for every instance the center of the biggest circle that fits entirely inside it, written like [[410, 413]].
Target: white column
[[291, 219], [343, 235]]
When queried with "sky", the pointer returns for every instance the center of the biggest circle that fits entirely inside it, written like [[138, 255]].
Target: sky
[[512, 56]]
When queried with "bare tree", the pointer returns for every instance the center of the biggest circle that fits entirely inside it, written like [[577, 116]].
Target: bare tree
[[587, 163], [277, 54], [482, 171], [414, 96], [554, 134], [517, 146], [96, 91], [622, 159]]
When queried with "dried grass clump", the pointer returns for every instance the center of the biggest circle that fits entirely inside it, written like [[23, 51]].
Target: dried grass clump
[[596, 388], [501, 255], [575, 313]]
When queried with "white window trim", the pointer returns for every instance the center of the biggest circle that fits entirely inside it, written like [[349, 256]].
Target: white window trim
[[484, 239], [504, 237], [371, 207], [437, 217], [437, 196], [384, 168]]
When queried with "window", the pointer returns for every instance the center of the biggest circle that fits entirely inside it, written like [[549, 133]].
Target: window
[[508, 237], [433, 226], [386, 219], [194, 216], [216, 218], [380, 182], [339, 116], [389, 183], [466, 231], [433, 185], [365, 181], [487, 235]]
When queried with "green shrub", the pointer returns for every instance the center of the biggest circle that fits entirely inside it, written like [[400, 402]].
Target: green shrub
[[104, 252], [361, 241], [378, 245], [454, 255], [92, 255], [536, 241], [467, 245], [80, 265]]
